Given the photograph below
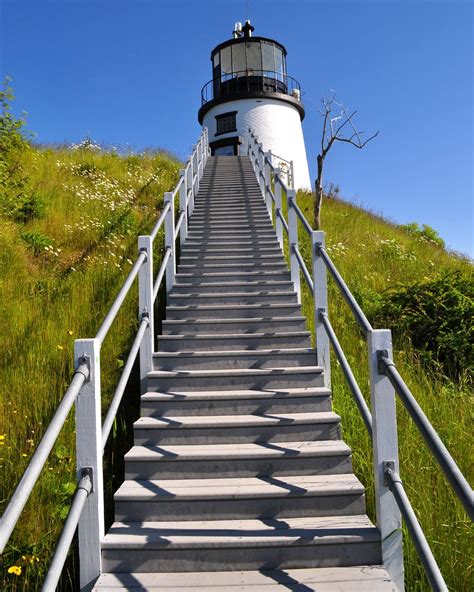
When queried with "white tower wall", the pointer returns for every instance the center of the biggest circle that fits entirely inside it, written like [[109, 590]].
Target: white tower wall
[[276, 124]]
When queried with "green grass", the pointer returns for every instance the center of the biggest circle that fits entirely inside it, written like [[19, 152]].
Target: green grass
[[374, 255], [59, 273]]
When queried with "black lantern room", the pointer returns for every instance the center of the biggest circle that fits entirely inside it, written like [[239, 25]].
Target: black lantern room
[[247, 67]]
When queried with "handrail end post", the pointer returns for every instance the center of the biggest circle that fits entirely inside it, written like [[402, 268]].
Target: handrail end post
[[320, 298], [89, 456], [170, 242], [146, 307], [385, 450]]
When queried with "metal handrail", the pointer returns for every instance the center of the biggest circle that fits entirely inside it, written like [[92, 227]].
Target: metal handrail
[[160, 221], [161, 273], [453, 473], [122, 383], [283, 221], [179, 223], [117, 303], [301, 216], [83, 489], [385, 366], [303, 268], [347, 294], [347, 371], [417, 535], [38, 460], [86, 371]]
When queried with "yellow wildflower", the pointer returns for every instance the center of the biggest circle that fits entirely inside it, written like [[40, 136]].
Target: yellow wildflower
[[60, 347], [14, 569], [70, 332]]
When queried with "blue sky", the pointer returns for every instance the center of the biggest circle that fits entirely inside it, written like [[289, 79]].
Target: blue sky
[[130, 73]]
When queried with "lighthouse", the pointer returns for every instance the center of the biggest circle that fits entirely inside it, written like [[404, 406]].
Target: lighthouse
[[250, 88]]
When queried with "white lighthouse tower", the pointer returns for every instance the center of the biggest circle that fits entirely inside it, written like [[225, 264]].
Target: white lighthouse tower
[[250, 88]]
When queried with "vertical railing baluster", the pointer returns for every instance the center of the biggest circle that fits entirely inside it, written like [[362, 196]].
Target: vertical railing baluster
[[385, 455], [278, 203], [268, 182], [145, 308], [198, 168], [293, 241], [183, 192], [89, 458], [261, 168], [323, 347], [189, 186], [170, 243]]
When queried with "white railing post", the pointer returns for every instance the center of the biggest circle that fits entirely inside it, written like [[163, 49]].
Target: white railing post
[[293, 241], [277, 193], [195, 170], [292, 169], [261, 169], [89, 458], [385, 455], [268, 182], [320, 296], [170, 243], [189, 187], [145, 308], [183, 206]]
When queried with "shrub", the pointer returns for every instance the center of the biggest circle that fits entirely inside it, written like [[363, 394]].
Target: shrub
[[424, 232], [36, 241], [437, 316]]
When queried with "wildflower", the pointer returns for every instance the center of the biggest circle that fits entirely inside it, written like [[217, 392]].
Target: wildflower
[[60, 347], [2, 437], [24, 455], [14, 569], [70, 332]]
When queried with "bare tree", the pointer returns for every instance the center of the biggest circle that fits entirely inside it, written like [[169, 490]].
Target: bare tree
[[336, 128]]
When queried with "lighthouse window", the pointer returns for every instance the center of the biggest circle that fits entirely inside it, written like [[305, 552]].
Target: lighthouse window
[[226, 122], [254, 57], [279, 61], [268, 57], [238, 58], [226, 60]]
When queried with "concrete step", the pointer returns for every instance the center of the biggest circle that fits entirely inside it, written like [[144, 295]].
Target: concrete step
[[235, 402], [239, 498], [190, 326], [208, 342], [233, 311], [361, 578], [240, 378], [192, 265], [235, 256], [249, 459], [236, 429], [260, 296], [241, 544], [223, 219], [247, 287], [199, 275], [225, 242]]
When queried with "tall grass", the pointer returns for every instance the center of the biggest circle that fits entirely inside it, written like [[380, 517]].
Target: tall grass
[[59, 273], [374, 255]]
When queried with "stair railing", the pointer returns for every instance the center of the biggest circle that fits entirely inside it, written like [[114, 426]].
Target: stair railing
[[391, 499], [87, 508]]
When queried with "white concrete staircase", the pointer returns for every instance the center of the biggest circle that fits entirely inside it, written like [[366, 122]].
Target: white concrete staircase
[[239, 479]]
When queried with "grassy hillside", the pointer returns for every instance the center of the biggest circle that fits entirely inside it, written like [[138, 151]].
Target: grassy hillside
[[69, 219], [68, 225], [378, 258]]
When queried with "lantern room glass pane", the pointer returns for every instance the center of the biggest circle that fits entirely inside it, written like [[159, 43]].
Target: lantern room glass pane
[[268, 57], [279, 63], [226, 60], [254, 57], [216, 59], [238, 58]]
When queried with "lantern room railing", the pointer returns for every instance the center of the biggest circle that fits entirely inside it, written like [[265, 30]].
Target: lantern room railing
[[248, 81]]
